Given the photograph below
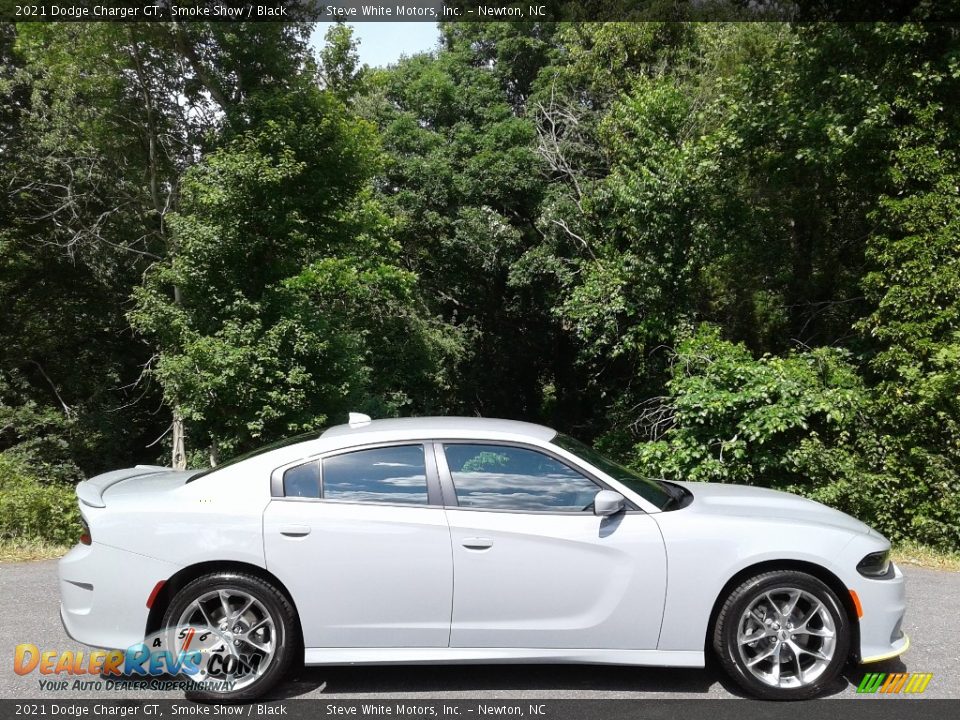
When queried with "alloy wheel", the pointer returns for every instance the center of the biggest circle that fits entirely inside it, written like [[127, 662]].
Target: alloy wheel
[[239, 628], [786, 637]]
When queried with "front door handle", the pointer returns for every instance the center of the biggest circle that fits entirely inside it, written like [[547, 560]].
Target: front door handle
[[295, 530], [477, 543]]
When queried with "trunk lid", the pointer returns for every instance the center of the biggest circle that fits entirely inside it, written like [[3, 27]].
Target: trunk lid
[[140, 479]]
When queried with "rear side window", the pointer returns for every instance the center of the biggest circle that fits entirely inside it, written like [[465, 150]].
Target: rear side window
[[302, 481], [502, 477], [396, 474]]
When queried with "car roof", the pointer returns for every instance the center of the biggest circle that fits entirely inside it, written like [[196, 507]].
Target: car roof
[[442, 427]]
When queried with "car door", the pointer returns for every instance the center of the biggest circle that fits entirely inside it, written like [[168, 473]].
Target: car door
[[360, 540], [533, 566]]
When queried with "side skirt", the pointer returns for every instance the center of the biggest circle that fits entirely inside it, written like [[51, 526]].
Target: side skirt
[[481, 656]]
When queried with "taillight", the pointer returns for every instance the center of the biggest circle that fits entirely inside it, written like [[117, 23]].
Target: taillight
[[85, 538]]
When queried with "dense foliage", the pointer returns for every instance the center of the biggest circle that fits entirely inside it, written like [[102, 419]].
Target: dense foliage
[[31, 510], [725, 252]]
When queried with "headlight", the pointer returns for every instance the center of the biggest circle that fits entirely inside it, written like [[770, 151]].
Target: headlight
[[875, 564]]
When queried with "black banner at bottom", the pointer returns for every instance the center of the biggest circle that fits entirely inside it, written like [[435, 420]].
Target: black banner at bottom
[[865, 708]]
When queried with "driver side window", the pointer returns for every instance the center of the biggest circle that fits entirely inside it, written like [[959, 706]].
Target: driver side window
[[503, 477]]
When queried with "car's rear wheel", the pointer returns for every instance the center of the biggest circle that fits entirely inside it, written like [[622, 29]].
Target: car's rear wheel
[[240, 630], [782, 635]]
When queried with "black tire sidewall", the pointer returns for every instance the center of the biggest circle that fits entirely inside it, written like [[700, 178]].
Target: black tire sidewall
[[727, 648], [275, 603]]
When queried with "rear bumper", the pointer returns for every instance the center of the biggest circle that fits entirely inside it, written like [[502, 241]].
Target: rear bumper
[[884, 604], [103, 594]]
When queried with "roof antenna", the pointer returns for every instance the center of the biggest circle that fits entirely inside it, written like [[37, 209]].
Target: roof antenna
[[358, 420]]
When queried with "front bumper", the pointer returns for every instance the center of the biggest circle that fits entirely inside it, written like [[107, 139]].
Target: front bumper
[[899, 648], [103, 594], [884, 603]]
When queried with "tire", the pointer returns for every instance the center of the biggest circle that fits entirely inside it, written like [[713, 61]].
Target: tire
[[788, 615], [262, 624]]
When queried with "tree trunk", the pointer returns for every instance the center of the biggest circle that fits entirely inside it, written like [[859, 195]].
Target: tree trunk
[[179, 454], [161, 207], [214, 453]]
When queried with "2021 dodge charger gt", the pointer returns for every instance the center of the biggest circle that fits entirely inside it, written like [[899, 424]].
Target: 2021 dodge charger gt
[[470, 540]]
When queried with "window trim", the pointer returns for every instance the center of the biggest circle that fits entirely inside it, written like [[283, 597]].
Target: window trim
[[434, 493], [449, 488]]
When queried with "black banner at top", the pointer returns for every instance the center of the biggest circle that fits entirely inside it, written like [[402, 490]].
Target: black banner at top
[[475, 11]]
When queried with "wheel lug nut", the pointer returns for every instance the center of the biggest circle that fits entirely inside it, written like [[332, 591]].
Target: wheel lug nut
[[236, 642]]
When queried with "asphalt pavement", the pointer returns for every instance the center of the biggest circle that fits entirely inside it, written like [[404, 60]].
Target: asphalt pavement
[[29, 613]]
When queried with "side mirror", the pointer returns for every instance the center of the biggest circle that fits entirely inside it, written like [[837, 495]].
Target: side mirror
[[607, 502]]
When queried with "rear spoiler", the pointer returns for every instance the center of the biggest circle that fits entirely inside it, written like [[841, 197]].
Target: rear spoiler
[[90, 492]]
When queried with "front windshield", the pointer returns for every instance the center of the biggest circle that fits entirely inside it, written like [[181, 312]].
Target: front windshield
[[654, 491], [259, 451]]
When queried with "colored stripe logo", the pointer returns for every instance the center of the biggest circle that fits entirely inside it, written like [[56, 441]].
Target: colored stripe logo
[[894, 683]]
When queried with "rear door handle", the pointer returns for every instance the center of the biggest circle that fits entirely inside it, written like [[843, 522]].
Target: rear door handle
[[477, 543], [294, 530]]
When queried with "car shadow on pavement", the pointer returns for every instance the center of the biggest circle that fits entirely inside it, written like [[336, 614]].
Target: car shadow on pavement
[[854, 673], [538, 680], [569, 680]]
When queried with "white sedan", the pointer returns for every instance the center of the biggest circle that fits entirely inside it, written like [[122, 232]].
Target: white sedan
[[470, 540]]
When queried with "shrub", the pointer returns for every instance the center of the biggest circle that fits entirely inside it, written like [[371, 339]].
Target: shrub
[[805, 423], [31, 510]]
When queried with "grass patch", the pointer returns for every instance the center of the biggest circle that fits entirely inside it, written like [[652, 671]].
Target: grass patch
[[906, 553], [911, 553], [25, 550]]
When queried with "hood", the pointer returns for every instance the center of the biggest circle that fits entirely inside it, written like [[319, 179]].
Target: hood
[[748, 501]]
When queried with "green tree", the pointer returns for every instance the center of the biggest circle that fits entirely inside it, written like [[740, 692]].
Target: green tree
[[340, 69], [291, 308], [914, 289], [108, 118], [464, 181]]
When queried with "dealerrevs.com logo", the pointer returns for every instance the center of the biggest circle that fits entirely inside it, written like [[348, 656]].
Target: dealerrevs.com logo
[[894, 683], [198, 655]]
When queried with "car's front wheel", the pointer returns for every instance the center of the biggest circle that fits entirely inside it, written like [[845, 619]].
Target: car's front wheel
[[782, 635], [239, 630]]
